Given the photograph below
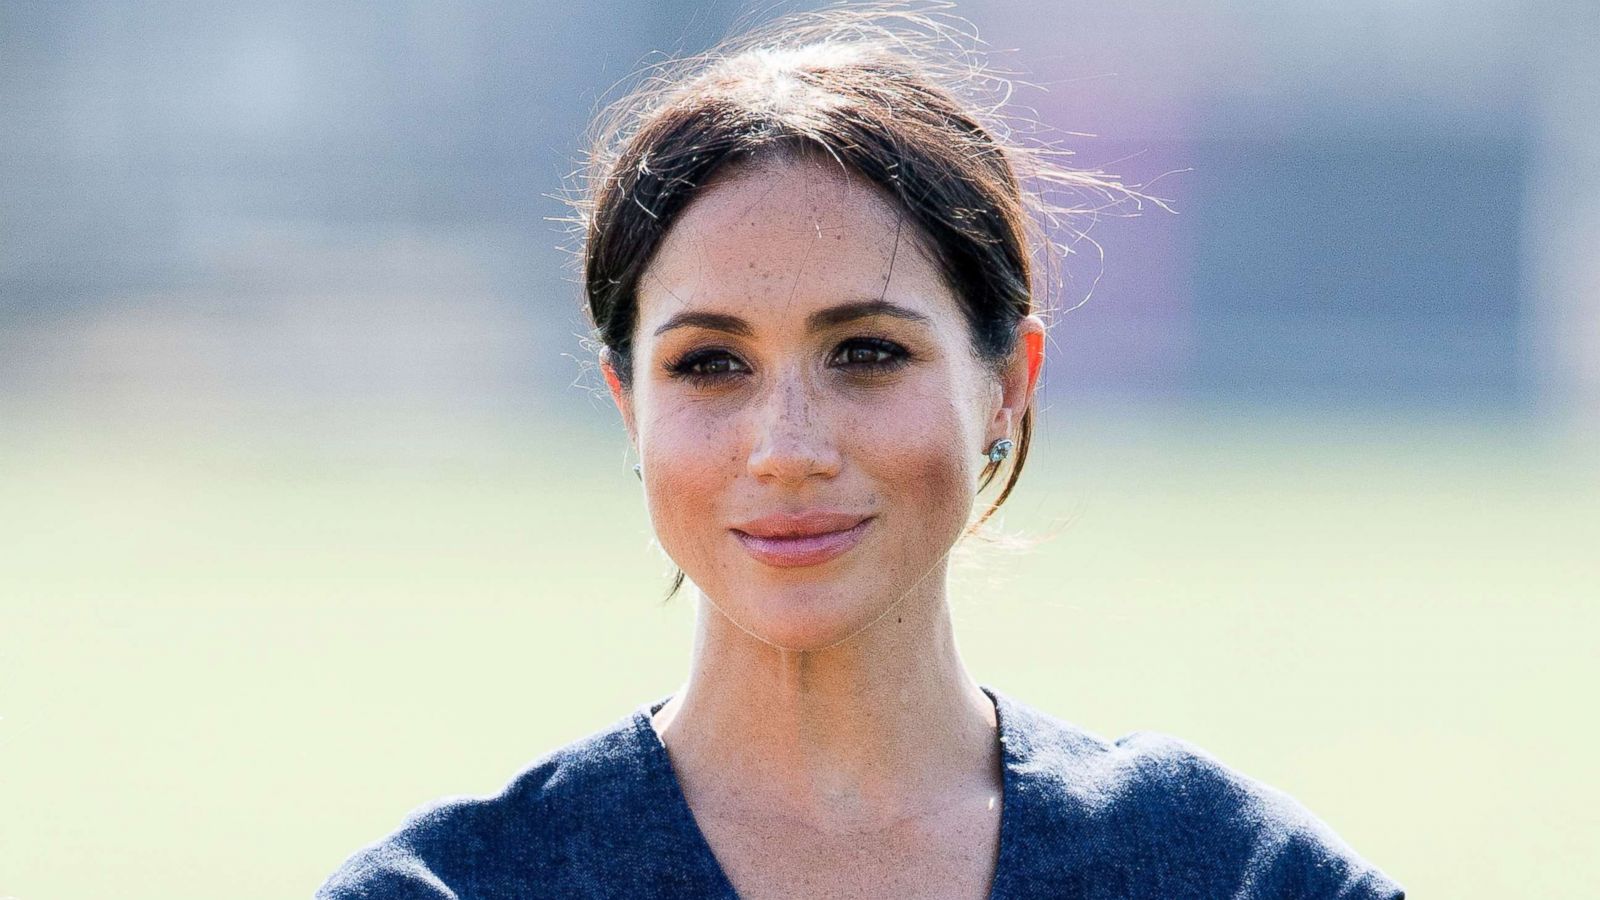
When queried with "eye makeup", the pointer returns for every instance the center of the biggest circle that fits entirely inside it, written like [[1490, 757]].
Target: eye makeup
[[862, 356]]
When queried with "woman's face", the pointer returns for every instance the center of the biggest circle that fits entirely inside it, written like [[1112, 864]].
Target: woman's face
[[807, 404]]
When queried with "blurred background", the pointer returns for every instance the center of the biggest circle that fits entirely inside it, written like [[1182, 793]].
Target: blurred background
[[311, 511]]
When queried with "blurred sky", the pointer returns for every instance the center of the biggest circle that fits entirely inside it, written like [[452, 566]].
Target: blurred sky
[[268, 215]]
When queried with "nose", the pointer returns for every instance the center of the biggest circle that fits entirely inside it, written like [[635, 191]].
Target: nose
[[793, 441]]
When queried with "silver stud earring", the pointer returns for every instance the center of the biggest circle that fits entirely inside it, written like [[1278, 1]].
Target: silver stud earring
[[999, 450], [638, 471]]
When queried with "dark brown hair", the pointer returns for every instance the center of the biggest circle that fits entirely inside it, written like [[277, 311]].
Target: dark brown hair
[[881, 93]]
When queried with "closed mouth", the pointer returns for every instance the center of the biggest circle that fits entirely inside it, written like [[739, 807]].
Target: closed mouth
[[801, 542]]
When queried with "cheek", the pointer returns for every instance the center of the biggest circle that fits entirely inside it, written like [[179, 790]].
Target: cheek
[[692, 455], [916, 452], [909, 454]]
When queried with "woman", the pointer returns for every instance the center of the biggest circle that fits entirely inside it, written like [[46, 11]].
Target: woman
[[809, 267]]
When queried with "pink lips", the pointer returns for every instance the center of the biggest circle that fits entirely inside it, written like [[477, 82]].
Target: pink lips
[[790, 540]]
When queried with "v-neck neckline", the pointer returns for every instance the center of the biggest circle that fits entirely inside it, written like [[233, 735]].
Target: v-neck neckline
[[665, 777]]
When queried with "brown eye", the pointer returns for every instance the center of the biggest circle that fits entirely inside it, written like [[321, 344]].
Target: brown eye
[[717, 365], [869, 354], [707, 366]]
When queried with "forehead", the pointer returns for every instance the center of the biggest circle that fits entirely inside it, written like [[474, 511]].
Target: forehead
[[783, 238]]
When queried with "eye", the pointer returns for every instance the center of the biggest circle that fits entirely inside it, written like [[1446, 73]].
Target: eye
[[869, 354], [706, 366], [859, 356]]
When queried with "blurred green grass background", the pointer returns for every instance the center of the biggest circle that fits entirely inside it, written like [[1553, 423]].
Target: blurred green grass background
[[302, 526], [228, 661]]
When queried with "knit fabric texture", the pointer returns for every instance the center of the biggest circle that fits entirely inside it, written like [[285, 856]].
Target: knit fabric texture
[[1145, 816]]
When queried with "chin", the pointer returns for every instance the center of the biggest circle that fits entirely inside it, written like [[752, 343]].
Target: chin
[[804, 616]]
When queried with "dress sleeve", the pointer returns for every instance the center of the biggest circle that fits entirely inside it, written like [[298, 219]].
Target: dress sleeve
[[384, 873], [1260, 840], [1312, 864]]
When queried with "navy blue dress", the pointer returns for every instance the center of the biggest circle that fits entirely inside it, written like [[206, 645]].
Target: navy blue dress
[[1146, 816]]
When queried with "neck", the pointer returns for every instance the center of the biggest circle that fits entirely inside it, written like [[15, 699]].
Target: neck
[[885, 726]]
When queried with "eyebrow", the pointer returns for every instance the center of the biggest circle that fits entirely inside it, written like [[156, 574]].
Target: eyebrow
[[822, 319]]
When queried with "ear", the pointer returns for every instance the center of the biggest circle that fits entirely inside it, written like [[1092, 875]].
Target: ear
[[1019, 379], [619, 394]]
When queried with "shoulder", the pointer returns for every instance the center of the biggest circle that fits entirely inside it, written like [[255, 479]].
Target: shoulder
[[1165, 808], [470, 845], [1282, 849]]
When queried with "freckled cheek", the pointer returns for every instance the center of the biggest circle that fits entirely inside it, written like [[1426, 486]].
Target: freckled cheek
[[692, 460], [912, 454]]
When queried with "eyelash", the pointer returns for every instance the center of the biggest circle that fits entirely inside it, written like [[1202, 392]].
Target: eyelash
[[685, 366]]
